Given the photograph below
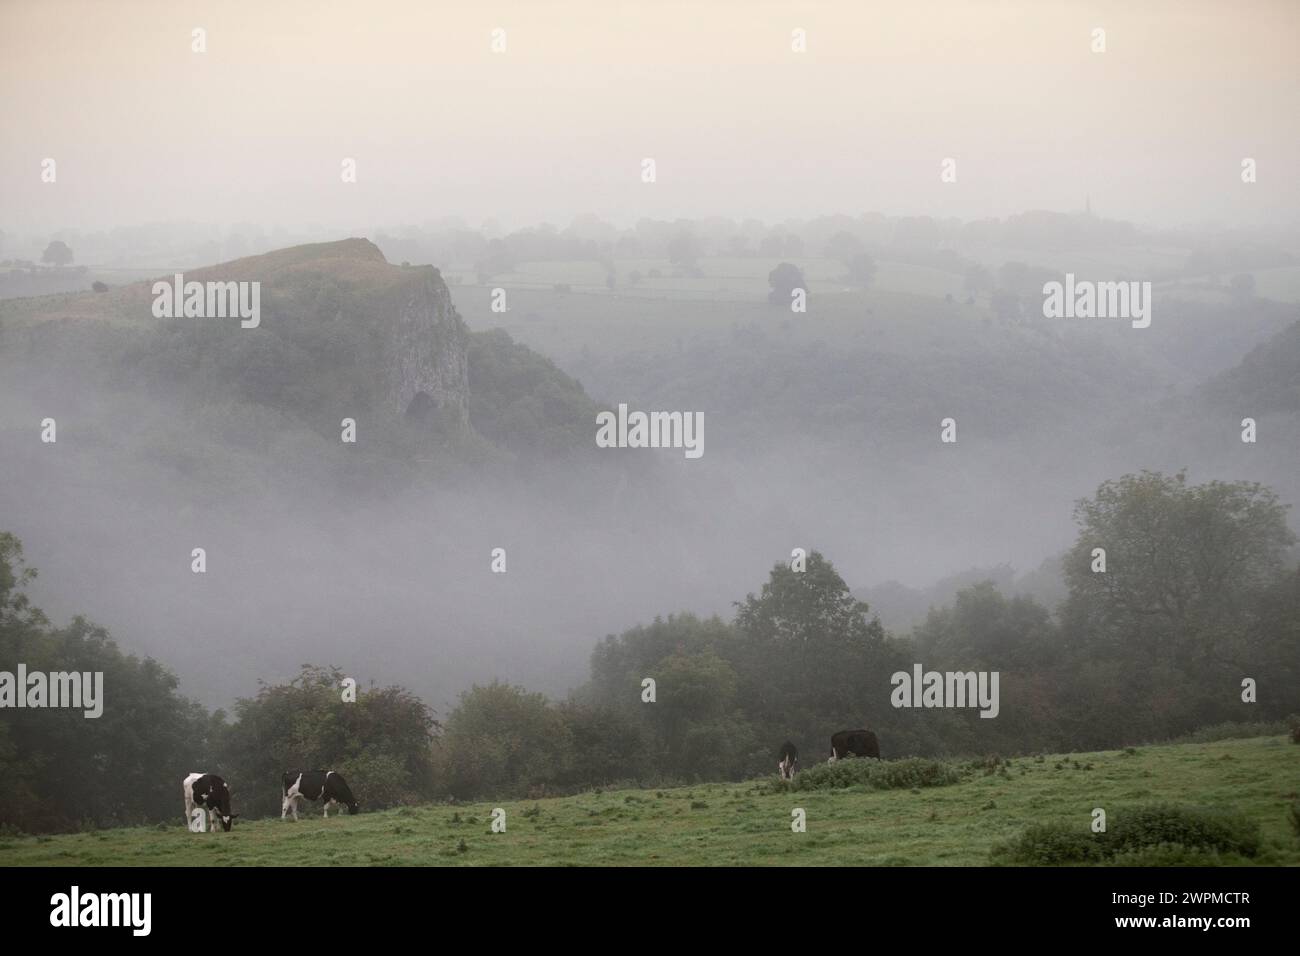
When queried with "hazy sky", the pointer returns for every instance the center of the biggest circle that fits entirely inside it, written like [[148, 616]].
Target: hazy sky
[[143, 129]]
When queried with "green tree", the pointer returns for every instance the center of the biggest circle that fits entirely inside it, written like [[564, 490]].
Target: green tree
[[501, 739], [1193, 599], [1182, 561], [63, 770], [809, 656], [380, 741]]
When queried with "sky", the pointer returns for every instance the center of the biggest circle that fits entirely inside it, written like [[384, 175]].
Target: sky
[[256, 129]]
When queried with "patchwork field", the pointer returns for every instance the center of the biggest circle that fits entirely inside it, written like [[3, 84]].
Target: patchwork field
[[743, 824]]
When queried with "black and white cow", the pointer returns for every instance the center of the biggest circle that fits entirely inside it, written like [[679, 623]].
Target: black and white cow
[[789, 761], [327, 786], [208, 792], [854, 743]]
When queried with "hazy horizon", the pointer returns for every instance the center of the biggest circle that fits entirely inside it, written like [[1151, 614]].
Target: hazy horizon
[[255, 129]]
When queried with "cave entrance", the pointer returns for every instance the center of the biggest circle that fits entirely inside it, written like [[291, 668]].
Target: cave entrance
[[422, 407]]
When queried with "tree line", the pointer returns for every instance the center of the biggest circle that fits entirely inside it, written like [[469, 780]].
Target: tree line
[[1183, 611]]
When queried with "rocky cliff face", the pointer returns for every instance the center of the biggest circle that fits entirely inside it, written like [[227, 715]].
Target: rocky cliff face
[[420, 344], [427, 347]]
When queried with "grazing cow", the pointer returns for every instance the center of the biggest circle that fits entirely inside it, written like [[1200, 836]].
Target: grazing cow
[[208, 792], [789, 761], [854, 743], [325, 785]]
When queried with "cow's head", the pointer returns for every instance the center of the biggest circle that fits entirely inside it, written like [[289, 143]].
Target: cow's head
[[220, 799], [352, 807]]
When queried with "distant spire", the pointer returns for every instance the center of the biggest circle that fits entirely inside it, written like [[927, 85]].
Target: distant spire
[[1087, 205]]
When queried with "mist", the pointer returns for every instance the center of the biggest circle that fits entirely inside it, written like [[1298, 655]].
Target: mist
[[821, 429]]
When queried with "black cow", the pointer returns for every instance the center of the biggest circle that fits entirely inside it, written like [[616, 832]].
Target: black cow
[[854, 743], [208, 792], [789, 761], [327, 786]]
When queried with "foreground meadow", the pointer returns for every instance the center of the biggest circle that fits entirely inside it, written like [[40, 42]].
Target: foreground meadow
[[739, 824]]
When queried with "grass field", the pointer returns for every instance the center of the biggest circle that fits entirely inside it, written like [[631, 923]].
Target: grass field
[[737, 824]]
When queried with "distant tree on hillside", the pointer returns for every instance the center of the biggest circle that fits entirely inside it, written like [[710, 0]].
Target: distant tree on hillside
[[57, 253], [784, 279]]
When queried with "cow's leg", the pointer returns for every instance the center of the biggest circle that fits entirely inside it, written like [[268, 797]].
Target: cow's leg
[[294, 805], [284, 806]]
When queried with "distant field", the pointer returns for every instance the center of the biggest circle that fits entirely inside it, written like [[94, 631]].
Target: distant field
[[736, 824], [1281, 284], [1131, 262], [743, 278]]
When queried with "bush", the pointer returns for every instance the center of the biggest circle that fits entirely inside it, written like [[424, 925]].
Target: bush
[[1193, 827], [912, 773], [1051, 844], [989, 764], [1138, 836]]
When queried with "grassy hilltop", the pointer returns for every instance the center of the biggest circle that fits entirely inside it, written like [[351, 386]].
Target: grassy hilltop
[[749, 824]]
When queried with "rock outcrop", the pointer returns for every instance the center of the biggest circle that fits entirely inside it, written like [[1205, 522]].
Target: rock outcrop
[[421, 341]]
